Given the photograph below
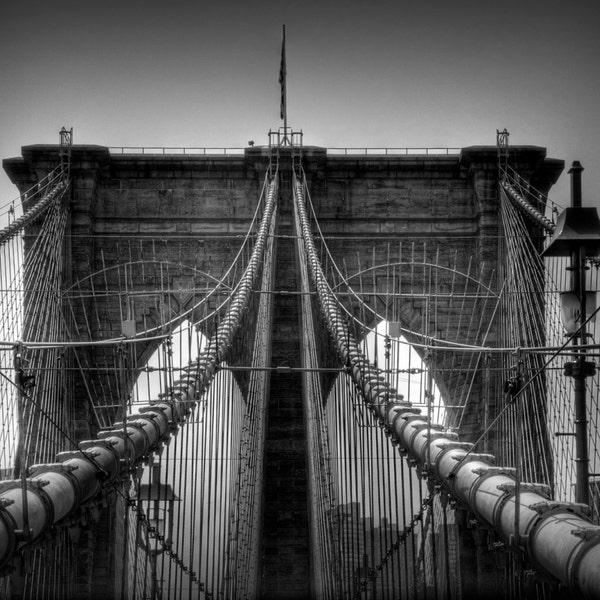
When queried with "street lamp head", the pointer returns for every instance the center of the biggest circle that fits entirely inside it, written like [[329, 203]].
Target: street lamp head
[[576, 227], [571, 313]]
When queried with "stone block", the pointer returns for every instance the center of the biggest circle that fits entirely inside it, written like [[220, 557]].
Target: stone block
[[157, 227]]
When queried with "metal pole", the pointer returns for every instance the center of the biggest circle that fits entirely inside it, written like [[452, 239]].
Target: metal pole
[[575, 172], [284, 89], [580, 372], [581, 439]]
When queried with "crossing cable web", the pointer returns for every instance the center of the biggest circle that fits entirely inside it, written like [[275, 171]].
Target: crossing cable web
[[421, 556], [372, 523], [33, 406], [328, 572], [180, 530], [143, 288], [213, 467], [30, 270], [425, 300], [523, 205], [384, 476], [523, 327]]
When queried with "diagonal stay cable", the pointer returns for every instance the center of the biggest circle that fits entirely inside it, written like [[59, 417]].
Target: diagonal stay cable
[[143, 433], [440, 450]]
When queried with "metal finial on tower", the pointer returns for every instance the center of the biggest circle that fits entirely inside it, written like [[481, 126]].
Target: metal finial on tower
[[66, 142], [502, 143]]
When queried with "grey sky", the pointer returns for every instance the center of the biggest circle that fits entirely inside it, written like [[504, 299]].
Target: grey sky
[[377, 73]]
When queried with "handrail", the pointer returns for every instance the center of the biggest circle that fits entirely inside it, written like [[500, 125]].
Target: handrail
[[238, 151], [406, 151], [175, 150]]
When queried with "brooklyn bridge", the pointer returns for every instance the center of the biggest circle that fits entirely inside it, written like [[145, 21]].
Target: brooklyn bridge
[[287, 371]]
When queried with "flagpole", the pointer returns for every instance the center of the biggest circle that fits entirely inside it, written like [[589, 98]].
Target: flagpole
[[283, 82], [284, 87]]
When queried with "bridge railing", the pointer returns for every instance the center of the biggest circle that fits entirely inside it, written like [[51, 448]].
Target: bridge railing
[[233, 151], [407, 151], [176, 150]]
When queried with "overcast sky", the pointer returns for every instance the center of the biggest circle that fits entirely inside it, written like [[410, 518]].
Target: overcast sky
[[360, 73]]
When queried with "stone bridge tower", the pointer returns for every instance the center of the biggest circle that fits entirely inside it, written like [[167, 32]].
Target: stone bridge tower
[[190, 211]]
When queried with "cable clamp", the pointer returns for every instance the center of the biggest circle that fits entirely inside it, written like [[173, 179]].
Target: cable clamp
[[538, 488], [587, 533], [52, 468], [39, 483], [491, 470], [452, 445], [473, 457], [543, 507], [23, 535]]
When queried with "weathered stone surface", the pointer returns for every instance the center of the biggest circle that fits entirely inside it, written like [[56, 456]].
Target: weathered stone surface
[[193, 212]]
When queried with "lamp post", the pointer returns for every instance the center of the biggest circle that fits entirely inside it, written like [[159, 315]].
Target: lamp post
[[577, 235]]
